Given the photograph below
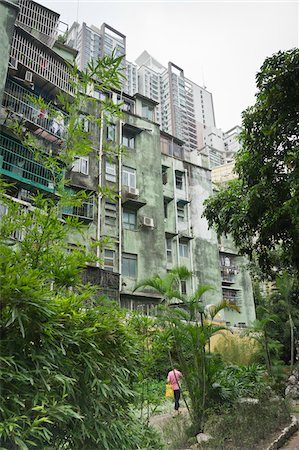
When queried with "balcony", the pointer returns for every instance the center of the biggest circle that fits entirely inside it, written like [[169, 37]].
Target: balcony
[[17, 162], [16, 100], [38, 20], [41, 60], [84, 211], [231, 294]]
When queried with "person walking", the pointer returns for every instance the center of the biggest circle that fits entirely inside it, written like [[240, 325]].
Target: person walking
[[173, 378]]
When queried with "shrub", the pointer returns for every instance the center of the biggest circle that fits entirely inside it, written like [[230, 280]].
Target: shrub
[[232, 429], [237, 349]]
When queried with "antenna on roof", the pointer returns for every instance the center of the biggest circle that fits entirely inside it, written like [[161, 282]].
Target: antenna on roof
[[203, 79], [77, 11]]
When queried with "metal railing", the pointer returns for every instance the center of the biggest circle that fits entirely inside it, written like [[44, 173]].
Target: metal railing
[[17, 162], [84, 211], [17, 99], [40, 60], [38, 20]]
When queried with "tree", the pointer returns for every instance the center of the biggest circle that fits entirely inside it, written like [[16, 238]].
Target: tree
[[191, 329], [260, 209], [66, 369]]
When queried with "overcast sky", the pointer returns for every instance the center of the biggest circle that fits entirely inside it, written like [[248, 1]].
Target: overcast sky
[[218, 43]]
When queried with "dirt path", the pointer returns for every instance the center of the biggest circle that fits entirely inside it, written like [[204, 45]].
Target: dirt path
[[293, 442]]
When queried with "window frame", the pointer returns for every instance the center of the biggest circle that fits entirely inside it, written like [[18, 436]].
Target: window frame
[[128, 225], [130, 172], [81, 165], [184, 249], [110, 172], [107, 259], [129, 257]]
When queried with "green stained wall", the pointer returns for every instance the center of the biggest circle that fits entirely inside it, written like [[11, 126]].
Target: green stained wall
[[8, 14], [148, 243], [205, 245]]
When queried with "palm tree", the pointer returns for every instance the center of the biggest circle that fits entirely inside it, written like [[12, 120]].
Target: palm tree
[[168, 286], [192, 328], [285, 284]]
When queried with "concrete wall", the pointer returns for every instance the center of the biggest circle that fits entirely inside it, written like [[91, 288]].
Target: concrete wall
[[8, 14]]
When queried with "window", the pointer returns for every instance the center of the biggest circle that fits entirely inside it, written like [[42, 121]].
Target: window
[[111, 132], [110, 213], [81, 165], [148, 112], [165, 209], [168, 249], [183, 287], [164, 174], [183, 249], [128, 139], [3, 210], [129, 265], [179, 180], [129, 220], [181, 213], [109, 256], [84, 123], [110, 173], [129, 177]]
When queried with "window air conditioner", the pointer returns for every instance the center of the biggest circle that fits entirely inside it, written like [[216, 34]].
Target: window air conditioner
[[28, 76], [133, 192], [148, 222]]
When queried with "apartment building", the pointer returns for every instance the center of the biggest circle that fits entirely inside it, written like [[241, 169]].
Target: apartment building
[[92, 42], [156, 223]]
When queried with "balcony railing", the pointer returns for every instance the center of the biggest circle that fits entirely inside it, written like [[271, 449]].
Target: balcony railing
[[17, 162], [40, 60], [85, 211], [38, 20], [17, 99]]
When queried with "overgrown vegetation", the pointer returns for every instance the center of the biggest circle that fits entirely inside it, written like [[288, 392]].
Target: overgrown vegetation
[[259, 209], [67, 369]]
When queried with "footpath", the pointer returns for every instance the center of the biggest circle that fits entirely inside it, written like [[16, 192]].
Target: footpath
[[293, 442]]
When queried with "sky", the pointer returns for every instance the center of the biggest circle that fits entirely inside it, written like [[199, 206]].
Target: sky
[[219, 44]]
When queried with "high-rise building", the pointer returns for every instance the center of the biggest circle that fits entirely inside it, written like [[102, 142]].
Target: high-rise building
[[156, 221], [92, 42], [185, 109]]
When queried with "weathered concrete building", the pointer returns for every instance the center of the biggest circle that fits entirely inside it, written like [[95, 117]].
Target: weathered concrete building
[[156, 222]]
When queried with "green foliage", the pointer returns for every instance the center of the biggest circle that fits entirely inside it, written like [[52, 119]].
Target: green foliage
[[235, 382], [67, 371], [190, 332], [238, 350], [232, 428], [260, 208]]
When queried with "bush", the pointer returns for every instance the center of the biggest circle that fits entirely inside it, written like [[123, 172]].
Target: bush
[[244, 425], [236, 349]]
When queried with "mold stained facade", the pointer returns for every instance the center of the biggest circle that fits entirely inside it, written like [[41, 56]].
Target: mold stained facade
[[156, 223]]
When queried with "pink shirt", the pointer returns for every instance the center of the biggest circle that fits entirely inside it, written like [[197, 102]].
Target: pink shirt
[[172, 379]]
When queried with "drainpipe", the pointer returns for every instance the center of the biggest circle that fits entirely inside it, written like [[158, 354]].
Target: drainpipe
[[120, 211], [189, 231], [175, 210], [100, 156]]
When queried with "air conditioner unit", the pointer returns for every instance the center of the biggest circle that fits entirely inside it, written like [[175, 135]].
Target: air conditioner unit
[[28, 76], [132, 192], [148, 222], [13, 63]]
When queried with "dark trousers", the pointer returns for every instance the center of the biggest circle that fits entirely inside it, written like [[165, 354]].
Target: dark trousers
[[177, 394]]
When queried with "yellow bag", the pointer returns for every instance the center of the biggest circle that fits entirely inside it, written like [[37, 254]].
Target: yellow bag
[[169, 391]]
